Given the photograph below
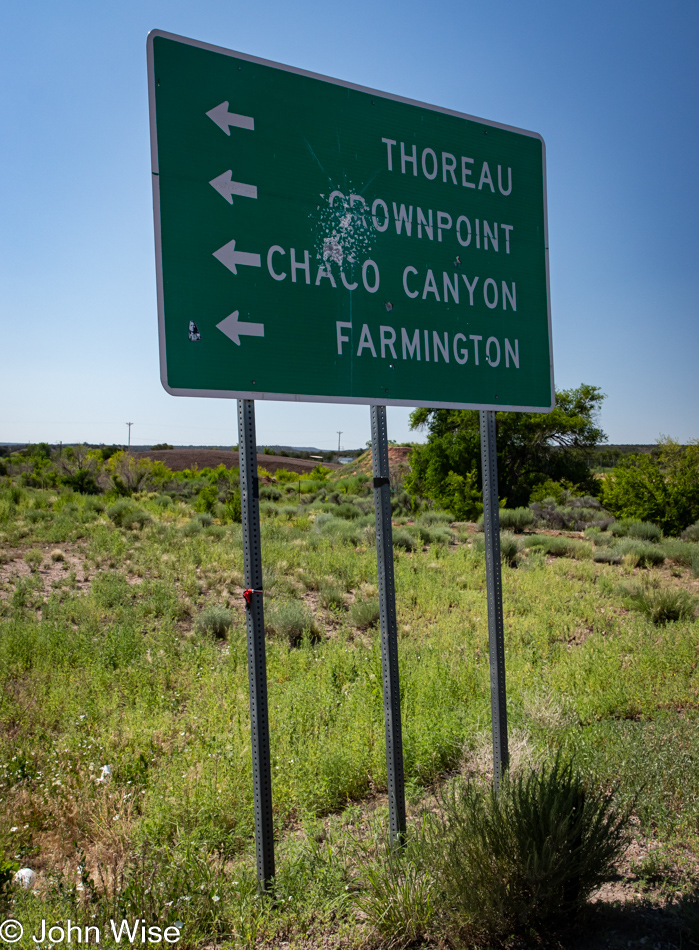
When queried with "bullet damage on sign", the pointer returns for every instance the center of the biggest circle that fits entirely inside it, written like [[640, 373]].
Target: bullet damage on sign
[[343, 229]]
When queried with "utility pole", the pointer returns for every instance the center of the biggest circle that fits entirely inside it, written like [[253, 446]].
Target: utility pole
[[129, 424], [339, 436]]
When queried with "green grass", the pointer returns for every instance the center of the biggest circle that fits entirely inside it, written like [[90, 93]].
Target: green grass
[[131, 651]]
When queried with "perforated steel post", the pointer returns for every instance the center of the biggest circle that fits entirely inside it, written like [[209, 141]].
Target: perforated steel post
[[496, 636], [389, 634], [257, 663]]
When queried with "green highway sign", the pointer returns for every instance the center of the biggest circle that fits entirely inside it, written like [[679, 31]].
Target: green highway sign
[[319, 241]]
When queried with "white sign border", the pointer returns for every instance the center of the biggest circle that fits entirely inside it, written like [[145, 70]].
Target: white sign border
[[286, 397]]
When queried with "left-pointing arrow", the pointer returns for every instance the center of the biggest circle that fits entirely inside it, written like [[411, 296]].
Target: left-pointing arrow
[[230, 258], [234, 328], [225, 119], [225, 186]]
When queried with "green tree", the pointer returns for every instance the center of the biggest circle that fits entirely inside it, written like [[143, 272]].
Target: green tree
[[662, 488], [532, 448]]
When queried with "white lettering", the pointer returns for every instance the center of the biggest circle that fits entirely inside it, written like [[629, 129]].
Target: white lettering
[[427, 345], [275, 249], [449, 287], [306, 266], [366, 342], [471, 287], [465, 172], [430, 286], [489, 358], [422, 220], [507, 228], [409, 347], [475, 345], [125, 927], [490, 282], [443, 223], [389, 148], [324, 271], [513, 353], [507, 295], [365, 266], [375, 220], [388, 338], [485, 178], [458, 231], [460, 355], [448, 166], [340, 336], [487, 233], [408, 158], [408, 291], [442, 347], [425, 153], [509, 181], [344, 281], [403, 217]]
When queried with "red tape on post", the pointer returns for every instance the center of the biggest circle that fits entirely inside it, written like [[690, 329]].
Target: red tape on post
[[248, 592]]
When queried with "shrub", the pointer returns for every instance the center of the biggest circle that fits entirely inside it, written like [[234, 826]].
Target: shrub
[[644, 531], [398, 891], [509, 548], [163, 501], [404, 539], [681, 552], [558, 546], [269, 493], [57, 555], [33, 559], [691, 533], [516, 519], [118, 510], [365, 613], [434, 518], [214, 621], [606, 556], [661, 605], [289, 619], [646, 555], [135, 518], [331, 596], [348, 511], [526, 859]]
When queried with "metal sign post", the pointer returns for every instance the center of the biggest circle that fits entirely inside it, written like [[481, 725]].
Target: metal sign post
[[389, 633], [257, 663], [496, 638]]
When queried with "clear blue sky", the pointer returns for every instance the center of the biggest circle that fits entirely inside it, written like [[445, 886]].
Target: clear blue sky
[[612, 87]]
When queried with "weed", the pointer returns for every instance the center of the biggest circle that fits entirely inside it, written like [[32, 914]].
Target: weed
[[214, 621], [644, 531], [691, 533], [331, 596], [365, 613], [516, 519], [645, 555], [398, 893], [289, 620], [33, 559], [404, 539], [661, 605], [528, 858]]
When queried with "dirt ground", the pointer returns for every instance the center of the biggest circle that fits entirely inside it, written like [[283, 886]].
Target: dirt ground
[[179, 459]]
